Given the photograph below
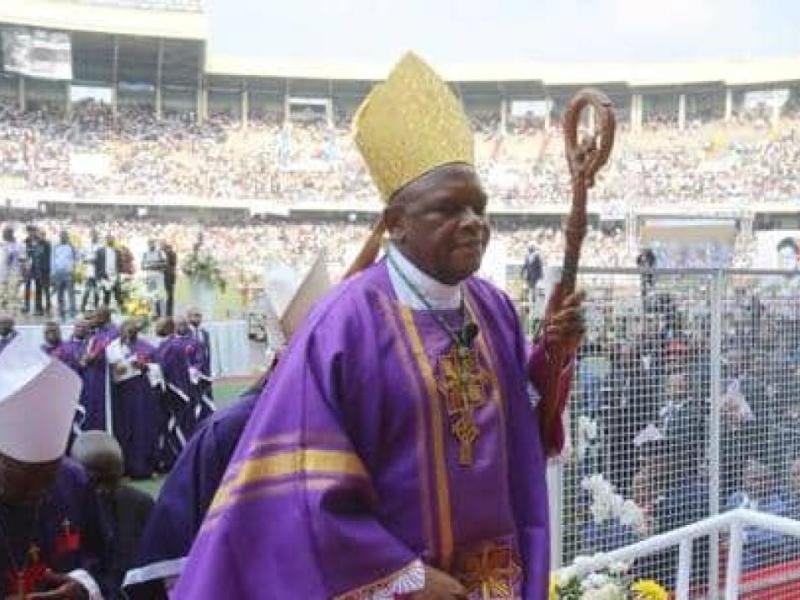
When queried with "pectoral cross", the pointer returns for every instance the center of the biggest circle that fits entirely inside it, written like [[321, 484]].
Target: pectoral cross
[[462, 383]]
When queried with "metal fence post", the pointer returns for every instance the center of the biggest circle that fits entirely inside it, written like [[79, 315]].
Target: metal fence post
[[717, 312]]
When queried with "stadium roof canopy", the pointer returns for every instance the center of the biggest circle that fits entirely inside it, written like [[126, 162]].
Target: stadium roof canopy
[[55, 14], [137, 29], [730, 72]]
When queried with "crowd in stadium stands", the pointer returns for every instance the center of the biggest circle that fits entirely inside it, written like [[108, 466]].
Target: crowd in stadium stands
[[94, 154], [643, 409], [251, 246]]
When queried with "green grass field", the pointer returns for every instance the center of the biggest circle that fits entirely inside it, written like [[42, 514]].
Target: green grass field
[[225, 392]]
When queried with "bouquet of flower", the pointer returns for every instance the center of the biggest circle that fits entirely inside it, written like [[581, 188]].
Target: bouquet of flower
[[608, 504], [613, 584], [203, 267], [138, 300]]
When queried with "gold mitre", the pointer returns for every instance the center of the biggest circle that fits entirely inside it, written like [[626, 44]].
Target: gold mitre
[[409, 125]]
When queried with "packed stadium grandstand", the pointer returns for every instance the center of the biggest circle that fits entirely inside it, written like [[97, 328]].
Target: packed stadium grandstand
[[135, 159]]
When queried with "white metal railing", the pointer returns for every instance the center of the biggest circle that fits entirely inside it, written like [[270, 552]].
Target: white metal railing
[[733, 521]]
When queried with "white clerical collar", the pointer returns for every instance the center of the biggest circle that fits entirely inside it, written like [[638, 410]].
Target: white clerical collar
[[439, 296]]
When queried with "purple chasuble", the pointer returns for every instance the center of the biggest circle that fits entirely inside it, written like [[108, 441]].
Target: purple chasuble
[[137, 416], [184, 500], [182, 397], [67, 352], [349, 469], [96, 385]]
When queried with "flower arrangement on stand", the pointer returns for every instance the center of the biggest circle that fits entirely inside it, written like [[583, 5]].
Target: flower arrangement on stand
[[204, 268], [139, 301]]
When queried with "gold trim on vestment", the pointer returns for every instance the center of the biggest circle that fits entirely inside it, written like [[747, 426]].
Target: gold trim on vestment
[[390, 311], [310, 483], [437, 433], [283, 464], [367, 591]]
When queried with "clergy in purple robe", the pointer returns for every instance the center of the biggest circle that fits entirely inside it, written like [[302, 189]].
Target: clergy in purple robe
[[96, 381], [54, 346], [48, 515], [136, 408], [197, 383], [180, 397], [75, 347], [396, 449], [184, 499], [200, 333], [171, 439]]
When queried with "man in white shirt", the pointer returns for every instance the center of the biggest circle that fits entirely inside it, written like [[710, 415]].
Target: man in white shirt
[[154, 263], [107, 272], [10, 271], [89, 256]]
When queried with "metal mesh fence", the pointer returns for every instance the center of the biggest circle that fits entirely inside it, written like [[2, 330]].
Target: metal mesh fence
[[686, 403]]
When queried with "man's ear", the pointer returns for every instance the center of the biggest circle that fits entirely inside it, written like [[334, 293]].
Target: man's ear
[[395, 219]]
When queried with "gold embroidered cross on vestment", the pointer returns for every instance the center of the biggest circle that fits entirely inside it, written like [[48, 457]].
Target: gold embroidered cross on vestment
[[462, 383]]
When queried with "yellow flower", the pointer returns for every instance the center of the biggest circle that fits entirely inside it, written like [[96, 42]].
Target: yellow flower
[[553, 587], [647, 589]]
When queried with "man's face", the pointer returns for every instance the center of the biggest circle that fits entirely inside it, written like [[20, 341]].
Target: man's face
[[64, 237], [181, 326], [151, 244], [52, 334], [439, 223], [101, 316], [25, 483], [195, 318], [95, 237], [129, 331], [80, 329], [755, 480], [6, 325]]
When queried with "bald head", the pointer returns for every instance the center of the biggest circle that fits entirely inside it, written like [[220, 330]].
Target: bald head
[[181, 326], [52, 333], [80, 329], [165, 327], [101, 316], [194, 316], [101, 456]]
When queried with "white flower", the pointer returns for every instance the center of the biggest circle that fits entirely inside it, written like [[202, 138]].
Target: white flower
[[601, 510], [581, 561], [594, 581], [619, 567], [609, 591], [607, 504], [631, 515], [587, 427]]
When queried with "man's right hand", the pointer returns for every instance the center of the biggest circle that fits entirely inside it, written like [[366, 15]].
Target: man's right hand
[[439, 586]]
